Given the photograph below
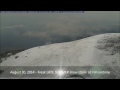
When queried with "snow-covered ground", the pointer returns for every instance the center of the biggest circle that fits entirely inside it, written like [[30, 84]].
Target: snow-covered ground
[[82, 52], [99, 50]]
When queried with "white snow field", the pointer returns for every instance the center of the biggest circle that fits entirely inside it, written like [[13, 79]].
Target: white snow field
[[99, 50]]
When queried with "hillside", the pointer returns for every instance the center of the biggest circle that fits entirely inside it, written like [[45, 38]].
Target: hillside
[[99, 50]]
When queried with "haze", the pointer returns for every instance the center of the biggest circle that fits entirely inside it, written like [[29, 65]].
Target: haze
[[27, 30]]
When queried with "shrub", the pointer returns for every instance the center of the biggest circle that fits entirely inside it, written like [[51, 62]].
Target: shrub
[[111, 44], [1, 71], [16, 57], [0, 60], [9, 53]]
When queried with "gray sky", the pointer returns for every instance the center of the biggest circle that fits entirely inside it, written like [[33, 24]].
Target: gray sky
[[27, 30]]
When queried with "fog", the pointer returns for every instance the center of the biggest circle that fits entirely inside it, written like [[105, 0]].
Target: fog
[[27, 30]]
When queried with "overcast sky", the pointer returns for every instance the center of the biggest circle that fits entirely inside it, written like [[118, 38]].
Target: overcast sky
[[27, 30]]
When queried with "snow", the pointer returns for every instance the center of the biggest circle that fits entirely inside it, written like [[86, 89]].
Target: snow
[[100, 50], [77, 53]]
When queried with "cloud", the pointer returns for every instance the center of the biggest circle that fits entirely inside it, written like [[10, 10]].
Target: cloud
[[71, 27], [42, 29], [36, 34], [44, 36], [12, 27]]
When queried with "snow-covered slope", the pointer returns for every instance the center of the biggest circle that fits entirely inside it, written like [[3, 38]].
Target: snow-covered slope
[[99, 50]]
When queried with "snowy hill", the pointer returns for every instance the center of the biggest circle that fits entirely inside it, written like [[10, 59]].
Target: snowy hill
[[93, 51], [99, 50]]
